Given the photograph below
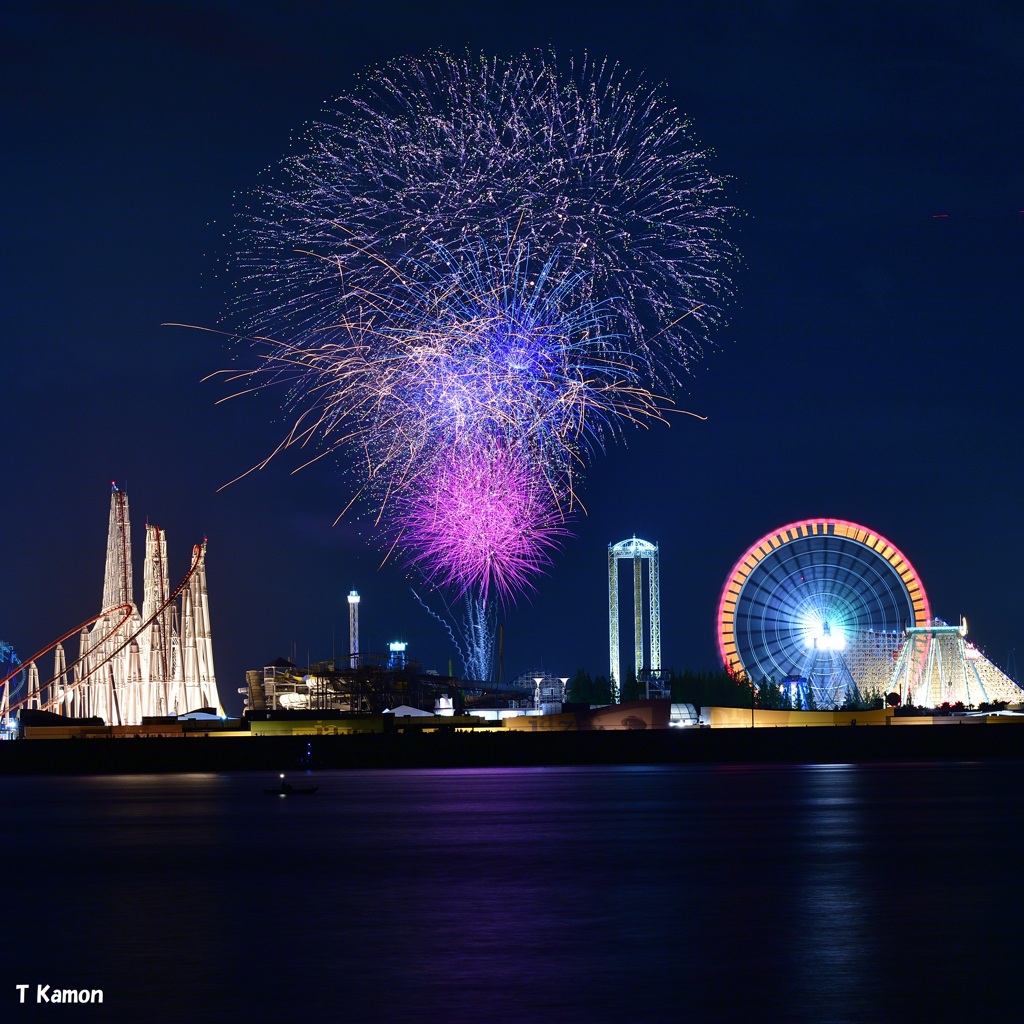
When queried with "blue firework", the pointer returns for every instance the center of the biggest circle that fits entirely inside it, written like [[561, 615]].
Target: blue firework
[[579, 158]]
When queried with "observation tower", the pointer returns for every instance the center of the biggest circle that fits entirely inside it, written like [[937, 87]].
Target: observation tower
[[353, 628], [638, 551]]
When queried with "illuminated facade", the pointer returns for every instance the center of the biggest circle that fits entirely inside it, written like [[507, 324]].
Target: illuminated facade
[[133, 665], [638, 551], [396, 655]]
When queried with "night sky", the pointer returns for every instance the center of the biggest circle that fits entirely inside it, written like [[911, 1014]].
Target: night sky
[[870, 370]]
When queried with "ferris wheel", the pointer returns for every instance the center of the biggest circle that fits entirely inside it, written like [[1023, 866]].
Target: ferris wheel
[[819, 607]]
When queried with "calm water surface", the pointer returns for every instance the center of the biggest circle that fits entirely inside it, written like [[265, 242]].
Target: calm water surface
[[693, 893]]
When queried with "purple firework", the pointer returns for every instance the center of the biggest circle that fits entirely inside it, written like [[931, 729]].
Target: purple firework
[[578, 158], [487, 344], [485, 521]]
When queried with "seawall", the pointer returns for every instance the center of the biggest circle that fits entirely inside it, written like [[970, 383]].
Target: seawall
[[841, 744]]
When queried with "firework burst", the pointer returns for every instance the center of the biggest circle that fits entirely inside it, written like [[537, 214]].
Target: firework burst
[[486, 522], [581, 159], [471, 274], [469, 347]]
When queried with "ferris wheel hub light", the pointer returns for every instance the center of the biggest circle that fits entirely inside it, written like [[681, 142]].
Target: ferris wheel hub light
[[824, 636]]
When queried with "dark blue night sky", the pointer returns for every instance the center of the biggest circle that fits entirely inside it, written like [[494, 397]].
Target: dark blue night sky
[[871, 369]]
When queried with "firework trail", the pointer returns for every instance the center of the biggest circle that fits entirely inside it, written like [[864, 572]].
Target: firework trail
[[439, 150], [473, 636]]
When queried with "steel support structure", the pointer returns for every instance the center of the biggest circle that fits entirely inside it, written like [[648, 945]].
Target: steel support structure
[[639, 551], [937, 665], [133, 665], [353, 629]]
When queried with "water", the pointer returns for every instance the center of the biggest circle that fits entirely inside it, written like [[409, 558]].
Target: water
[[699, 893]]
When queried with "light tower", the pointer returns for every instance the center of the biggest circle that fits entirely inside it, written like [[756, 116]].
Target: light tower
[[353, 628], [396, 654], [637, 550]]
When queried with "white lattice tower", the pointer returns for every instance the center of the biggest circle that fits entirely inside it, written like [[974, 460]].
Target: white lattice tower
[[156, 640], [205, 679], [117, 576], [613, 621], [638, 614], [127, 672], [60, 678], [79, 691], [187, 690], [353, 628], [638, 551], [110, 687], [33, 686]]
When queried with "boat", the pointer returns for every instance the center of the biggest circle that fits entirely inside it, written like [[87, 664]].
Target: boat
[[287, 789]]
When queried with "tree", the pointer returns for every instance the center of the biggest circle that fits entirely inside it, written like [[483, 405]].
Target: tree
[[771, 697], [602, 690], [581, 690], [702, 689], [995, 705], [631, 688], [854, 701]]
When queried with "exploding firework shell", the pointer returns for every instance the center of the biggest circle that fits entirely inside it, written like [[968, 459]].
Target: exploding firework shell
[[484, 521], [471, 274], [475, 347], [483, 345], [583, 160]]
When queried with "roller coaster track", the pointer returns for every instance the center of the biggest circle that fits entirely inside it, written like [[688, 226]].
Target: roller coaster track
[[127, 609]]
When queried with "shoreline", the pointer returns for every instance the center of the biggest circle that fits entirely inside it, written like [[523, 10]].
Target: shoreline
[[837, 745]]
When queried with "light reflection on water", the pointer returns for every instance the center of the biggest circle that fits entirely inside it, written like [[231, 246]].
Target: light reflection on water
[[711, 893]]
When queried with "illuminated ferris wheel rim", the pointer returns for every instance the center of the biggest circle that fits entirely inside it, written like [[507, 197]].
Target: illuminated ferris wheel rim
[[728, 647]]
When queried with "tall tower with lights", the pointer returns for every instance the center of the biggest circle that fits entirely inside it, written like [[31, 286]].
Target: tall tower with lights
[[353, 629], [638, 551]]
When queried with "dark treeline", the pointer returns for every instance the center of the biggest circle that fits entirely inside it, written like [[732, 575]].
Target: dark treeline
[[702, 689]]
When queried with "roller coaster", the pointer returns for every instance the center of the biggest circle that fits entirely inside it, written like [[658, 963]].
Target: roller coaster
[[57, 689], [107, 678]]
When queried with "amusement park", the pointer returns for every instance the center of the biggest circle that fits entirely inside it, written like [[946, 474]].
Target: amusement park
[[131, 665], [815, 619]]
